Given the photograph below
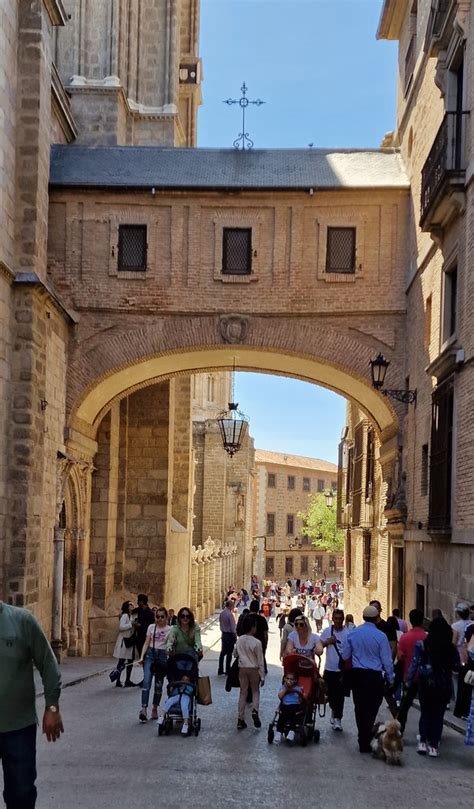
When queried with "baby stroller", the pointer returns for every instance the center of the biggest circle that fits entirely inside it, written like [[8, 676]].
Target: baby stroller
[[303, 723], [180, 666]]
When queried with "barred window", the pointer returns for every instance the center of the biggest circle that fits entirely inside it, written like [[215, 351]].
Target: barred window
[[332, 564], [320, 485], [269, 566], [366, 559], [341, 250], [303, 564], [270, 524], [237, 251], [306, 485], [290, 524], [271, 480], [291, 481], [132, 248], [288, 565]]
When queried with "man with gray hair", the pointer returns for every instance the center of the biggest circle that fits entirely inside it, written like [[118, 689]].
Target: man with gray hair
[[229, 636]]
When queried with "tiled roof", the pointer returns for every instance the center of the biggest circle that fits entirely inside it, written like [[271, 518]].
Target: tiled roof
[[266, 456], [162, 167]]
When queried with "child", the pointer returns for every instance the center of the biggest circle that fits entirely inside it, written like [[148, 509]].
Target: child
[[291, 698], [181, 694]]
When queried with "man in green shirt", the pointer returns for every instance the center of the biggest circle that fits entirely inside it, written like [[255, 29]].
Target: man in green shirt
[[22, 644]]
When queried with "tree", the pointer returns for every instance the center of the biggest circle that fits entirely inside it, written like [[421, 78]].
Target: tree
[[319, 523]]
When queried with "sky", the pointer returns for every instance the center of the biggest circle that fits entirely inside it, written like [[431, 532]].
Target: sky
[[325, 80]]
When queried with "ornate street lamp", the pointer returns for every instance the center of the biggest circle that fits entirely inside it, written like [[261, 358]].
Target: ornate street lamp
[[378, 369], [233, 426], [329, 495]]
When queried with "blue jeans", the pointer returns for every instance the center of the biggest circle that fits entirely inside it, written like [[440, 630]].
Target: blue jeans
[[18, 754], [151, 657]]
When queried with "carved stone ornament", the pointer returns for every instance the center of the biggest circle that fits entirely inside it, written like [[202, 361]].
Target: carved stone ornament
[[233, 328]]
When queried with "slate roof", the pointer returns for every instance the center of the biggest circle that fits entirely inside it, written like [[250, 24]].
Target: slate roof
[[265, 456], [266, 169]]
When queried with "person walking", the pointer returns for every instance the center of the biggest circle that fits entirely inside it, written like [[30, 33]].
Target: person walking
[[22, 645], [434, 660], [262, 628], [185, 636], [319, 613], [333, 638], [249, 652], [124, 650], [303, 641], [287, 628], [469, 737], [406, 647], [371, 657], [142, 617], [228, 637], [154, 660]]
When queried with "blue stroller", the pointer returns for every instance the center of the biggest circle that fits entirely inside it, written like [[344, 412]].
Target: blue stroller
[[182, 682]]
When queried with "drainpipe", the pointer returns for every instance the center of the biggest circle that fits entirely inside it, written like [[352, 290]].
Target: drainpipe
[[58, 574]]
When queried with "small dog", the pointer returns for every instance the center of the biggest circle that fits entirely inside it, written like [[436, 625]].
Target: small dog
[[387, 741]]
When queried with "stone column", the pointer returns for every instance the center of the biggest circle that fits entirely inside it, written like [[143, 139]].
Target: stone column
[[58, 574], [194, 580]]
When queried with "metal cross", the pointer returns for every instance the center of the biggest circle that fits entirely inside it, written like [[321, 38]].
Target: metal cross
[[243, 141]]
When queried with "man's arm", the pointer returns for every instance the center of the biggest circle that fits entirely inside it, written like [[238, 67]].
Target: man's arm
[[386, 657], [46, 663], [346, 650]]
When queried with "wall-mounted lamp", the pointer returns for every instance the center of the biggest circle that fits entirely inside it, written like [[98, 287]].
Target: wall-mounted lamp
[[378, 369]]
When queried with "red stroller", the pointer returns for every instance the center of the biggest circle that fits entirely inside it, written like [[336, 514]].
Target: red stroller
[[304, 722]]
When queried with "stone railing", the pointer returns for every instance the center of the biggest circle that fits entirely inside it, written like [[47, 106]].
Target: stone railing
[[212, 572]]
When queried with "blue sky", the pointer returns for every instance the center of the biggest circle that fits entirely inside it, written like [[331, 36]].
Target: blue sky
[[326, 80]]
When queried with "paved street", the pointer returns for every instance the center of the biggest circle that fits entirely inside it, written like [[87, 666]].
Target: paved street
[[107, 759]]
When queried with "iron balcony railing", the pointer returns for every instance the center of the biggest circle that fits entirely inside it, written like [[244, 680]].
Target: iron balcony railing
[[445, 160]]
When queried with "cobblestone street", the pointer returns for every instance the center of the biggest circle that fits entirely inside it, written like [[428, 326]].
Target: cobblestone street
[[107, 759]]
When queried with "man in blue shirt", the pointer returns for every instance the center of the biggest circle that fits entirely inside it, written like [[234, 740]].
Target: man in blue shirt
[[371, 660]]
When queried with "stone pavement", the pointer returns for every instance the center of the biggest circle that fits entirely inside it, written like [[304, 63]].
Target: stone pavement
[[108, 759]]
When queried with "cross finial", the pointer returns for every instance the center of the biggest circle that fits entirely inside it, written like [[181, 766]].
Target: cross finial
[[244, 141]]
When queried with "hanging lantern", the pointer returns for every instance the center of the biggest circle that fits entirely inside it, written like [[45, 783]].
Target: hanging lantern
[[329, 498], [378, 369], [233, 426]]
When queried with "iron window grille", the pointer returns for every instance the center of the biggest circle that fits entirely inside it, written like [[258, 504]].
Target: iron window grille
[[366, 557], [270, 524], [132, 248], [290, 524], [237, 251], [303, 564], [306, 485], [291, 481], [269, 566], [341, 250], [289, 565], [271, 480], [332, 564], [320, 485]]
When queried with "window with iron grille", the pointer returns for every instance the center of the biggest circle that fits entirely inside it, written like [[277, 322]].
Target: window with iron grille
[[303, 564], [357, 481], [289, 565], [291, 481], [366, 558], [318, 564], [237, 251], [132, 248], [332, 564], [269, 566], [306, 485], [341, 250], [370, 466], [271, 480], [290, 524], [270, 524], [440, 484], [320, 485]]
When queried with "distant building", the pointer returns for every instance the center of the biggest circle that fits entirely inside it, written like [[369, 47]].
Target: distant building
[[283, 487]]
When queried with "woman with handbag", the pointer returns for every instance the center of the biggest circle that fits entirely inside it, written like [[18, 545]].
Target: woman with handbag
[[124, 650], [154, 660], [185, 637], [434, 660]]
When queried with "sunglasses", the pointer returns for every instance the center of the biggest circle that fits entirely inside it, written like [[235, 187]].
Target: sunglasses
[[160, 615], [300, 623], [186, 616]]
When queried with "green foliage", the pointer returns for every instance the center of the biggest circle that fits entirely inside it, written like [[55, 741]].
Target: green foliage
[[319, 523]]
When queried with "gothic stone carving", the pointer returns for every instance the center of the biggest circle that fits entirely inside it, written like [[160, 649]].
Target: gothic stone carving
[[233, 328]]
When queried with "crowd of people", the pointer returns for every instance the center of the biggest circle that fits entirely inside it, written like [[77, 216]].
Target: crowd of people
[[378, 660]]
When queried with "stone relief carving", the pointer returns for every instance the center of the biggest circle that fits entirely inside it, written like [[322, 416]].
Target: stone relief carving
[[233, 328]]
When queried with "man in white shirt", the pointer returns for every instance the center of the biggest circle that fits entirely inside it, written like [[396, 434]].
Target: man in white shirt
[[318, 614], [332, 639]]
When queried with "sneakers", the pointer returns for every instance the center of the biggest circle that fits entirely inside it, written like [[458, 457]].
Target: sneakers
[[337, 725], [161, 719], [277, 737], [142, 715], [241, 724], [290, 736], [331, 721], [433, 752], [420, 747], [256, 719], [184, 730]]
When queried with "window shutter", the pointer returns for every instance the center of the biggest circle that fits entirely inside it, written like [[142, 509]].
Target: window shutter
[[441, 456], [357, 483]]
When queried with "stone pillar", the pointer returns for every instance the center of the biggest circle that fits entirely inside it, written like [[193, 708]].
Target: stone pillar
[[58, 574], [194, 581]]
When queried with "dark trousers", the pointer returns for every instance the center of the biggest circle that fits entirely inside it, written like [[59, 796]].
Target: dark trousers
[[228, 643], [127, 665], [432, 710], [409, 694], [289, 717], [336, 689], [18, 754], [367, 691]]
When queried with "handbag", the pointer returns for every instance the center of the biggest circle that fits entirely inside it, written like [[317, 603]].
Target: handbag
[[130, 642], [203, 694], [344, 665], [232, 680]]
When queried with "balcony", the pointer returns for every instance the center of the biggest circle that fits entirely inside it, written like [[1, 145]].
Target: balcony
[[443, 175]]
